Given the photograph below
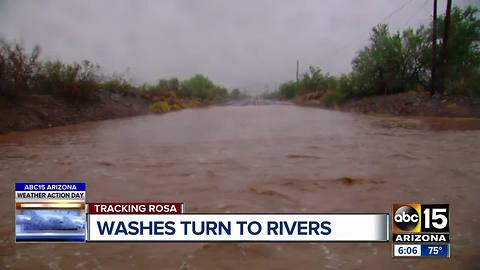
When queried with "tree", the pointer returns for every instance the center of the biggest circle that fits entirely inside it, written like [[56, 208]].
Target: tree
[[235, 94], [392, 63], [316, 81], [201, 87], [462, 70]]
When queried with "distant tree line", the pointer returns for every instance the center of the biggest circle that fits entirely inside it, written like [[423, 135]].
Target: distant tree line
[[402, 61], [22, 73]]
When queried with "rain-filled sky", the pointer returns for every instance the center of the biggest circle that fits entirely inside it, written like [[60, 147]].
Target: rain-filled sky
[[250, 44]]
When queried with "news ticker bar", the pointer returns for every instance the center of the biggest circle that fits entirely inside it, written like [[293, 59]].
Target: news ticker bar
[[58, 212], [77, 221], [421, 250], [239, 227]]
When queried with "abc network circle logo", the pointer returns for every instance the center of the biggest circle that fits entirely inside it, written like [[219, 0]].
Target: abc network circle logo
[[406, 218]]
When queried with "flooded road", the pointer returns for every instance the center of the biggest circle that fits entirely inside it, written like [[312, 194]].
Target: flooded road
[[277, 158]]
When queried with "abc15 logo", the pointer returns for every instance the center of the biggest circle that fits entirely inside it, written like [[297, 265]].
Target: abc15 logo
[[419, 218]]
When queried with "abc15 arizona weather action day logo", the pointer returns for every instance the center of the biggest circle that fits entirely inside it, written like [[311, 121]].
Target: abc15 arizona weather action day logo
[[421, 222]]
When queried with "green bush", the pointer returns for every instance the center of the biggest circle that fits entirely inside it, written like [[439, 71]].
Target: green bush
[[316, 81], [288, 90], [201, 87]]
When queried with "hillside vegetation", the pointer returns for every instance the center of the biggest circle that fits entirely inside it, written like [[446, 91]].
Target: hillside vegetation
[[399, 62], [22, 74]]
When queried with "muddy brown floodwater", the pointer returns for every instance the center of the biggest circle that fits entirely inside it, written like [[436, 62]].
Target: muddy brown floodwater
[[278, 158]]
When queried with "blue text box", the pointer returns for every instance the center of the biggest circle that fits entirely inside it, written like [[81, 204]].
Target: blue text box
[[51, 186], [436, 250]]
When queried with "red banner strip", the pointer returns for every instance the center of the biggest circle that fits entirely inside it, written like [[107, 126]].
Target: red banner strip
[[135, 208]]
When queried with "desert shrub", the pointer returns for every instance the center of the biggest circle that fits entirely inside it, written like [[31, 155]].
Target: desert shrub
[[160, 107], [22, 73], [171, 84], [332, 97], [162, 87], [312, 81], [18, 69], [192, 103], [345, 87], [176, 106], [74, 82], [468, 84], [219, 93], [117, 83]]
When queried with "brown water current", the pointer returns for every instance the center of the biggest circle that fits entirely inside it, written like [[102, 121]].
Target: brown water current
[[277, 158]]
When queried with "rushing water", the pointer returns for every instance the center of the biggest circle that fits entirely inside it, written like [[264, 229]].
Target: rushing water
[[277, 158]]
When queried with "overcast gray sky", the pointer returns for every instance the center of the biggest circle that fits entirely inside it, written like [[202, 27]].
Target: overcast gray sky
[[249, 44]]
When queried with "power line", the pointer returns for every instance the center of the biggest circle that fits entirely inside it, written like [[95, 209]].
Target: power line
[[415, 14], [395, 11], [335, 53]]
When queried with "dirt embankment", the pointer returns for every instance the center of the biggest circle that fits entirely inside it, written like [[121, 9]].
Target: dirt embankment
[[412, 103], [43, 111]]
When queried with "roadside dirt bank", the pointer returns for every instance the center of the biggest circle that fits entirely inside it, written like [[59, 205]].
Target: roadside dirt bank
[[43, 111], [411, 103]]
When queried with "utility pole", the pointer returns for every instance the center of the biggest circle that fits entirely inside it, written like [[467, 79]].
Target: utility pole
[[434, 49], [297, 69], [444, 55]]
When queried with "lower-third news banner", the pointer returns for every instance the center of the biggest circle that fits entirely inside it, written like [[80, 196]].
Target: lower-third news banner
[[167, 222]]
